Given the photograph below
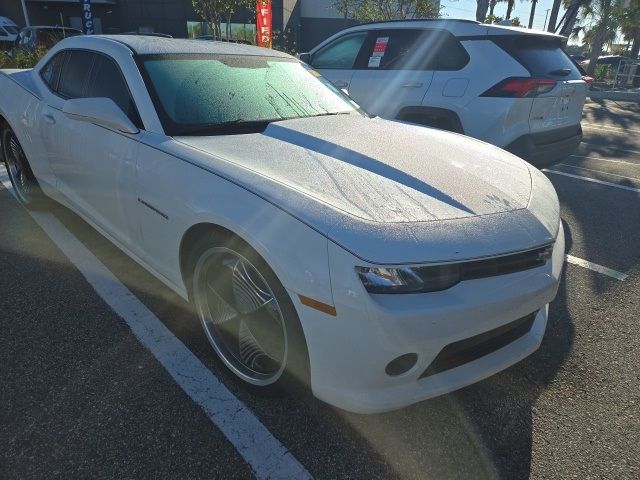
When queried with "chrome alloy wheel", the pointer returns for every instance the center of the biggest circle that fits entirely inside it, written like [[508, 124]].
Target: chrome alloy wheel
[[241, 316], [18, 168]]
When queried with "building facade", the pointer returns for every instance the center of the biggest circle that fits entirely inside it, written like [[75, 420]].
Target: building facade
[[299, 24]]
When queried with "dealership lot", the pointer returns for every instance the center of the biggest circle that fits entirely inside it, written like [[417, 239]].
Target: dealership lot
[[83, 396]]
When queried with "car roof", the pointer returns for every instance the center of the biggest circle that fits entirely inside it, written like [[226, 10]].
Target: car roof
[[150, 45], [458, 27]]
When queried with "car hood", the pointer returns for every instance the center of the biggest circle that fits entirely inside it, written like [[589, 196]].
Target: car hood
[[380, 171], [355, 178]]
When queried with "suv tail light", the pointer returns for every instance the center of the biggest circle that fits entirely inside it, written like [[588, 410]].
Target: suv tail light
[[520, 87]]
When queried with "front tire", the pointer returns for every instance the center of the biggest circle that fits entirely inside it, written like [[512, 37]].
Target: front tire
[[20, 174], [247, 316]]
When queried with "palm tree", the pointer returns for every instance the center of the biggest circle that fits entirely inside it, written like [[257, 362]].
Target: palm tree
[[481, 9], [553, 17], [605, 26], [533, 12]]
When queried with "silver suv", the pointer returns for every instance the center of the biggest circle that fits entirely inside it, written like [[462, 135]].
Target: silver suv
[[512, 87]]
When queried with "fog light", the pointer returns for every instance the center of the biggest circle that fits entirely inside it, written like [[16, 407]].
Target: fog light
[[402, 364]]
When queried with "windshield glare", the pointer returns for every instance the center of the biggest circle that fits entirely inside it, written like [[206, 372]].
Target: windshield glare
[[208, 90]]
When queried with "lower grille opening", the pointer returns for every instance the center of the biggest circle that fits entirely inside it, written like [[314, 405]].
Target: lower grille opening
[[469, 349]]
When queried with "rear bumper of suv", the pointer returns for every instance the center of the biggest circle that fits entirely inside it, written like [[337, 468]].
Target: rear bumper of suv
[[547, 148]]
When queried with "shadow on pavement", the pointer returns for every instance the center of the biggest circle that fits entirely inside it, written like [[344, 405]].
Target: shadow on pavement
[[483, 431], [619, 114]]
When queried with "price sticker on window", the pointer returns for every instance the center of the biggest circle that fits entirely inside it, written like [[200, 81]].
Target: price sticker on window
[[380, 47]]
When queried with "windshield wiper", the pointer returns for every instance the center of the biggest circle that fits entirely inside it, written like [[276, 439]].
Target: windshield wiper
[[561, 72], [331, 113], [238, 124]]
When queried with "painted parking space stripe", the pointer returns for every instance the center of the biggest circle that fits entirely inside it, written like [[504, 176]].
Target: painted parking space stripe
[[610, 148], [596, 267], [592, 180], [601, 159], [266, 456], [595, 126], [597, 171]]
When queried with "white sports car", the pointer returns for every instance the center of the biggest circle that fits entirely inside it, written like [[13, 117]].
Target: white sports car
[[379, 262]]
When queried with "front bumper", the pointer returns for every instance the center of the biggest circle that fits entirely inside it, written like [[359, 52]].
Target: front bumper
[[349, 352], [544, 149]]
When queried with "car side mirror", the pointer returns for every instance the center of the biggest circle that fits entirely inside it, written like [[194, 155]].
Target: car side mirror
[[101, 111], [305, 58]]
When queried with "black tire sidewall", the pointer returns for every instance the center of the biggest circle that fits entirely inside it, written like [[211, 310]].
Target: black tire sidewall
[[37, 197]]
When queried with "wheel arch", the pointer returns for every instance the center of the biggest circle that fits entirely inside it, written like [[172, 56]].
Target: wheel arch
[[189, 239], [437, 117], [3, 121]]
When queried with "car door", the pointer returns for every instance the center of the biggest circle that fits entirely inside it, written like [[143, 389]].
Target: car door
[[336, 60], [95, 166], [394, 71], [50, 112]]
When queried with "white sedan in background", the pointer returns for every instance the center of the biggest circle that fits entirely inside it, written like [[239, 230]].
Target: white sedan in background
[[380, 263]]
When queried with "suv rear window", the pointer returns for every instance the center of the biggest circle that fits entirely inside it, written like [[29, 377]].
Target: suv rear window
[[542, 56]]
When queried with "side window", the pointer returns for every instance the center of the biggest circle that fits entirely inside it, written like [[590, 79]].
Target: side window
[[106, 80], [395, 50], [451, 53], [341, 53], [50, 73], [408, 49], [73, 81]]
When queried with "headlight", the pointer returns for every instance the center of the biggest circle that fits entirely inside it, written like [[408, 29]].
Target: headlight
[[408, 279]]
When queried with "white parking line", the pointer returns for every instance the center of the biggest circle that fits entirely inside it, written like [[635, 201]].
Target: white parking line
[[597, 171], [610, 148], [606, 160], [593, 180], [595, 126], [266, 456], [596, 268]]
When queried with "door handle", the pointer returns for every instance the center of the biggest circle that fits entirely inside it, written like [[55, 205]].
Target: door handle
[[412, 85], [49, 118], [341, 84]]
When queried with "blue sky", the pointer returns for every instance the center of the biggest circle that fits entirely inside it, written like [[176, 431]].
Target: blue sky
[[467, 9]]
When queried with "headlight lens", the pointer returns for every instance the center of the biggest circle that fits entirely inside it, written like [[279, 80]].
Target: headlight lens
[[408, 279]]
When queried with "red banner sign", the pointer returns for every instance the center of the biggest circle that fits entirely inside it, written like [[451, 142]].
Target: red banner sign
[[264, 28]]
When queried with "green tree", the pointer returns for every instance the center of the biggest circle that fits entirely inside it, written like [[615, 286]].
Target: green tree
[[602, 18], [629, 19], [380, 10], [215, 11]]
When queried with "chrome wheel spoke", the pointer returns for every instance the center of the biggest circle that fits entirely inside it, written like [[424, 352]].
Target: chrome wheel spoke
[[251, 351], [241, 316], [248, 295]]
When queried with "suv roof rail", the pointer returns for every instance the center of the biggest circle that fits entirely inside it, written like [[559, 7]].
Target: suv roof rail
[[456, 20]]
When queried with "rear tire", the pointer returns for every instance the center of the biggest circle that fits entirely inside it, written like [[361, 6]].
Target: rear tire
[[247, 316], [25, 185]]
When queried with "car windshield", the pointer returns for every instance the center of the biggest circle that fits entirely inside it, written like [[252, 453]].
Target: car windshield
[[209, 94]]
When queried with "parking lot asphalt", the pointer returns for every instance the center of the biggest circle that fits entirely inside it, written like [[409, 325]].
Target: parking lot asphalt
[[82, 397]]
